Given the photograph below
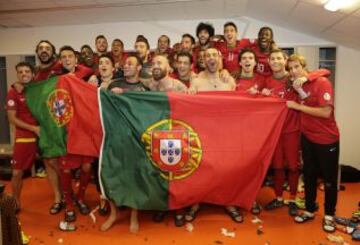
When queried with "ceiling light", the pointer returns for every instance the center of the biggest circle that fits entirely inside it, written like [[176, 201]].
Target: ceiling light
[[335, 5]]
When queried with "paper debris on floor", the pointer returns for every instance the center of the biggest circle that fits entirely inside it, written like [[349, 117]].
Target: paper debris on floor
[[189, 227], [256, 220], [227, 233]]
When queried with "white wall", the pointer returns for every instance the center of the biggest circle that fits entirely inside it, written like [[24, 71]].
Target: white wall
[[23, 40], [347, 104]]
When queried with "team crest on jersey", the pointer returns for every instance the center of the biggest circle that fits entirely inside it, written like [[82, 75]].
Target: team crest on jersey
[[11, 103], [327, 96], [60, 107], [173, 147]]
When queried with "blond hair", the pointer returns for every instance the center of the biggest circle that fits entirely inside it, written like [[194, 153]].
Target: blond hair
[[297, 57]]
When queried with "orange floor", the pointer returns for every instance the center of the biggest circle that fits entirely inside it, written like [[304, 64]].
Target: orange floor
[[278, 227]]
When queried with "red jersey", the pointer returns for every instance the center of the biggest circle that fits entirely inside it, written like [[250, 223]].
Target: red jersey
[[230, 56], [97, 57], [279, 88], [316, 129], [262, 66], [16, 101], [244, 83], [83, 72], [53, 70], [119, 63]]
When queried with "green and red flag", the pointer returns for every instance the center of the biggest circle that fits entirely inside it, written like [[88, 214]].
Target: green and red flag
[[165, 151], [58, 106], [170, 150]]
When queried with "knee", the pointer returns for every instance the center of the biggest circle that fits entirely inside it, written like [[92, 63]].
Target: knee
[[16, 173], [65, 171], [51, 163]]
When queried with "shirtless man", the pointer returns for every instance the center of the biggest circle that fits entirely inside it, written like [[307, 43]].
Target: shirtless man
[[213, 78], [161, 81]]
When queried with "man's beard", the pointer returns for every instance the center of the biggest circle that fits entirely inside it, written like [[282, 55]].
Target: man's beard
[[47, 61], [206, 42], [160, 75]]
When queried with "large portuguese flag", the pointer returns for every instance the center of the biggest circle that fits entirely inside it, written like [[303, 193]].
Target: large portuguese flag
[[168, 150]]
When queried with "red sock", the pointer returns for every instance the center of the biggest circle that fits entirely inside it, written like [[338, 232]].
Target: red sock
[[279, 179], [293, 177], [65, 180], [84, 181]]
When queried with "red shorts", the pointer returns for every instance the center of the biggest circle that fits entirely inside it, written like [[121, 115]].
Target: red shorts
[[71, 161], [25, 151]]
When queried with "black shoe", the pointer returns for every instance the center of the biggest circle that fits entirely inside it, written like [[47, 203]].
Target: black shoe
[[159, 216], [274, 204], [83, 208], [292, 209], [255, 209], [235, 215], [303, 217], [179, 220], [104, 207], [56, 208], [70, 216]]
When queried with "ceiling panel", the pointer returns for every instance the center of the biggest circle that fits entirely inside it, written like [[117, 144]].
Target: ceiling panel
[[269, 9], [314, 18], [347, 40], [8, 6], [349, 26], [316, 2], [14, 23]]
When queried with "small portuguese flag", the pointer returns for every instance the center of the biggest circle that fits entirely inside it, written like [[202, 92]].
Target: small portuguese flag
[[53, 103], [161, 151]]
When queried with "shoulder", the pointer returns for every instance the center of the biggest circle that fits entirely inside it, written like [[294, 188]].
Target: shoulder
[[322, 82], [12, 91]]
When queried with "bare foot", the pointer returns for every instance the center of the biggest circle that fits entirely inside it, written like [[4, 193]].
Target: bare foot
[[134, 227], [108, 223], [134, 222]]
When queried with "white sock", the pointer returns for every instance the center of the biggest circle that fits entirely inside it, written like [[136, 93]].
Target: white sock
[[307, 213], [329, 217]]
